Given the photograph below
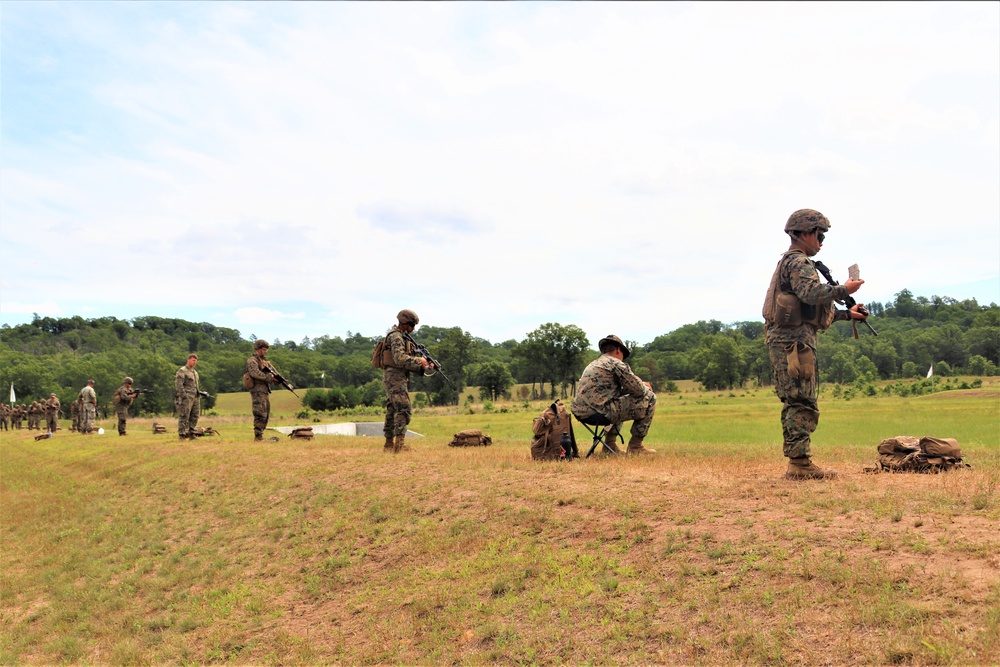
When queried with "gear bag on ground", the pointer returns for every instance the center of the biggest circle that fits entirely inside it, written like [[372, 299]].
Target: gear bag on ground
[[926, 455], [472, 437], [548, 429]]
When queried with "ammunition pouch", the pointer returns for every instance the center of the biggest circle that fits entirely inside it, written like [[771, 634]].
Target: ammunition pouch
[[787, 310], [801, 361]]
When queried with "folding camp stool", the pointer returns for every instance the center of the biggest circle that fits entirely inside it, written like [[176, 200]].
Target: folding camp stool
[[597, 425]]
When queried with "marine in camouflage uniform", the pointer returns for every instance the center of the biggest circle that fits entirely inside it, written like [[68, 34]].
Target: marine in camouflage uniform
[[398, 361], [33, 411], [260, 399], [16, 416], [52, 409], [796, 307], [74, 412], [186, 399], [124, 396], [4, 416], [88, 408], [609, 388]]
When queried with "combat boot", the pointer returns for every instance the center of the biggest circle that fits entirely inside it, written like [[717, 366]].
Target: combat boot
[[804, 468], [611, 441], [399, 444], [388, 447], [635, 447], [258, 437]]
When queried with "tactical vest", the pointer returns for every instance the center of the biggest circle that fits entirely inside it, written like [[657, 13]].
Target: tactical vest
[[784, 308], [382, 355]]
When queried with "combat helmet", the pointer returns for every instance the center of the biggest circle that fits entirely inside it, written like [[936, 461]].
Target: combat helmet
[[805, 220], [129, 380], [259, 343], [616, 341], [407, 316]]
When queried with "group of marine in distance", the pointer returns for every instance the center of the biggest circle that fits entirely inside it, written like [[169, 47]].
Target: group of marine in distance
[[797, 306]]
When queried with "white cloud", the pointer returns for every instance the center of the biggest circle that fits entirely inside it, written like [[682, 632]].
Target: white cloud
[[517, 163], [259, 315]]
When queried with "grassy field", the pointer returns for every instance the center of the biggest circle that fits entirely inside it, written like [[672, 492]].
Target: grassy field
[[147, 550]]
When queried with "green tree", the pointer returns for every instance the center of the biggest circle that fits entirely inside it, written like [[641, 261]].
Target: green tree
[[556, 353], [841, 367], [494, 380], [719, 361]]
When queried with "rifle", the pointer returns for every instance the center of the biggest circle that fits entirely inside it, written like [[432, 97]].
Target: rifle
[[136, 392], [848, 300], [282, 381], [422, 351], [205, 394]]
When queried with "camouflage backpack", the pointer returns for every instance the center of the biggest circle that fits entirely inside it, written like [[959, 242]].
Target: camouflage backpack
[[378, 354], [472, 437], [926, 455], [554, 439]]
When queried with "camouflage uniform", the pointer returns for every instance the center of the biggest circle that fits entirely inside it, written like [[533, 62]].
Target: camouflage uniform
[[123, 401], [88, 400], [186, 400], [796, 274], [16, 416], [4, 416], [33, 410], [74, 413], [260, 399], [52, 408], [396, 381], [609, 388]]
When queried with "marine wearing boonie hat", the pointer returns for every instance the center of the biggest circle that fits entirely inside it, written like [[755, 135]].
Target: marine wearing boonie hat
[[614, 340]]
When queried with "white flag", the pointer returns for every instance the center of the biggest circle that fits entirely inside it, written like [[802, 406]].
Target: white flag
[[13, 398], [930, 371]]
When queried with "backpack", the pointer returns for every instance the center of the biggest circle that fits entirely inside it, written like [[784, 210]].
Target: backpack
[[378, 354], [554, 439], [247, 381], [924, 455], [472, 437]]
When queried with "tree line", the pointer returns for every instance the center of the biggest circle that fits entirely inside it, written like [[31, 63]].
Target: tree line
[[60, 354]]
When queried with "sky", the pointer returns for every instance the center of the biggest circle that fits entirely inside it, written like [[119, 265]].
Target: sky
[[307, 169]]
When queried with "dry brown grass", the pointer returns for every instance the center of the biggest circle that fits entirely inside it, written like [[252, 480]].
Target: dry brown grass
[[146, 550]]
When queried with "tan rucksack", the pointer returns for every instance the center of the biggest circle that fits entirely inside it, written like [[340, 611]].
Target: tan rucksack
[[472, 437], [925, 455], [378, 354], [549, 429]]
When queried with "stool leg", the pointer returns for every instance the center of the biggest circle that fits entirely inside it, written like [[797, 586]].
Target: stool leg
[[598, 434]]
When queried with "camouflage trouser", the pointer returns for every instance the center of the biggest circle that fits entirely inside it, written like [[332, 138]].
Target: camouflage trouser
[[88, 417], [260, 402], [75, 419], [51, 422], [800, 414], [122, 413], [188, 411], [638, 411], [397, 402], [3, 423]]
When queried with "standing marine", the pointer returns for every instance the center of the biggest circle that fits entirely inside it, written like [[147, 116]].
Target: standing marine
[[4, 416], [74, 413], [33, 411], [398, 361], [260, 378], [52, 410], [609, 388], [124, 396], [88, 408], [797, 306], [186, 398]]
